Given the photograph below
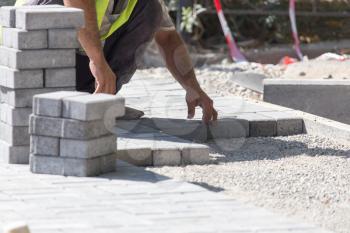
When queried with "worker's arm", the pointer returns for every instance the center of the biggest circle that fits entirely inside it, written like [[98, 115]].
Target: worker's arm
[[179, 63], [89, 39]]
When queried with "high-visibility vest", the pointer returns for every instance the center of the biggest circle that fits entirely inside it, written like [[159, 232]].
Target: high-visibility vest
[[101, 11]]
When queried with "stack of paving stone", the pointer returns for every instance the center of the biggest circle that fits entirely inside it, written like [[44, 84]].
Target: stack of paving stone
[[71, 133], [37, 56]]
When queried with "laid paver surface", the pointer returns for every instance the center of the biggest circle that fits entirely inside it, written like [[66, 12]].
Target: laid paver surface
[[163, 101], [164, 123], [130, 200]]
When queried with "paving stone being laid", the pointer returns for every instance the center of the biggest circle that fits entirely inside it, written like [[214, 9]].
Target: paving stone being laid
[[237, 117], [148, 142], [71, 147], [32, 62]]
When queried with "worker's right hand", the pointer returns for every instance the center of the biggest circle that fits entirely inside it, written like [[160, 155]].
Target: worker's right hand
[[106, 80]]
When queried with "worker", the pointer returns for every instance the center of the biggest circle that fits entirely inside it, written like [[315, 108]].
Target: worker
[[125, 28]]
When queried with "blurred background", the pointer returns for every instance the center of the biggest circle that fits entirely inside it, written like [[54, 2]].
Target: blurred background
[[261, 27]]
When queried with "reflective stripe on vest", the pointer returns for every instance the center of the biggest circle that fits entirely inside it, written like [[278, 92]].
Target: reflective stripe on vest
[[101, 10]]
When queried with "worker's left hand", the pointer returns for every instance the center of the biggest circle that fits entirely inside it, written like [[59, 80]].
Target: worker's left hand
[[194, 99]]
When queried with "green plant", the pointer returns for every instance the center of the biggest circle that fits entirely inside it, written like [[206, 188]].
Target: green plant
[[190, 17]]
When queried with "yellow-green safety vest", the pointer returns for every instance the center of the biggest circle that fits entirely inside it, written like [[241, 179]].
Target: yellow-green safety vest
[[101, 11]]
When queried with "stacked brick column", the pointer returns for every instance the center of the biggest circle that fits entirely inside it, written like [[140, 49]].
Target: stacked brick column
[[37, 56], [70, 133]]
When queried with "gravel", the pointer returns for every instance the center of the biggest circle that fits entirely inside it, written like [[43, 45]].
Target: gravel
[[218, 78], [302, 176]]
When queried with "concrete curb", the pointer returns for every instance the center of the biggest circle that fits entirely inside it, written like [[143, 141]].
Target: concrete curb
[[312, 96]]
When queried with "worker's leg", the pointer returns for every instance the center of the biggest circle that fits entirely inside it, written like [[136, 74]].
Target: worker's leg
[[124, 46], [127, 45]]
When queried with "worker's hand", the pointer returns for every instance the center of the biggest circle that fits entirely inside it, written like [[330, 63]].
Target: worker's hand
[[105, 78], [194, 99]]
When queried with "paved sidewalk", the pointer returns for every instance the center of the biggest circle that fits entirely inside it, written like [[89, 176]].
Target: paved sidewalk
[[130, 200], [163, 101], [155, 138]]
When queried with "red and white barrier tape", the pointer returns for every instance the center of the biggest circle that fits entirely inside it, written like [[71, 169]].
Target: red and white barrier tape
[[295, 29], [235, 53]]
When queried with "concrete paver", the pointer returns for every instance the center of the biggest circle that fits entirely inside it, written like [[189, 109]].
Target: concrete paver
[[130, 200]]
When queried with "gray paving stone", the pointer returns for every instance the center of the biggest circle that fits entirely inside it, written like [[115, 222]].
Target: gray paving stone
[[23, 98], [135, 126], [107, 163], [262, 128], [40, 145], [259, 125], [84, 130], [228, 128], [136, 155], [47, 18], [63, 77], [82, 167], [136, 149], [63, 39], [13, 154], [45, 126], [14, 116], [166, 157], [17, 79], [67, 128], [42, 164], [193, 130], [46, 165], [14, 135], [37, 59], [51, 104], [287, 123], [22, 39], [8, 16], [88, 148], [195, 154], [93, 107]]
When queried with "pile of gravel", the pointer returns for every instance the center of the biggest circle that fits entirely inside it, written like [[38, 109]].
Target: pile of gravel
[[303, 176]]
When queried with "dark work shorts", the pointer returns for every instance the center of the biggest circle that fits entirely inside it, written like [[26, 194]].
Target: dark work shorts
[[124, 47]]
